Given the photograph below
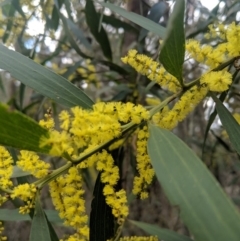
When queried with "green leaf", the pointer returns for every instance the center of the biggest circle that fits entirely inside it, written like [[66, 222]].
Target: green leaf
[[71, 39], [78, 33], [155, 13], [10, 12], [72, 69], [211, 120], [42, 79], [19, 131], [229, 123], [13, 215], [173, 48], [18, 172], [93, 19], [54, 21], [161, 233], [17, 6], [67, 4], [101, 217], [117, 23], [39, 228], [138, 19], [2, 86], [204, 207]]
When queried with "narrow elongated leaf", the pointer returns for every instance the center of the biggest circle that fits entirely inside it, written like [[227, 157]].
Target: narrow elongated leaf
[[101, 217], [204, 207], [214, 113], [161, 233], [71, 39], [10, 11], [39, 228], [211, 120], [18, 172], [42, 79], [138, 19], [13, 215], [2, 86], [17, 6], [19, 131], [117, 23], [155, 13], [93, 19], [54, 21], [229, 123], [173, 48], [79, 34]]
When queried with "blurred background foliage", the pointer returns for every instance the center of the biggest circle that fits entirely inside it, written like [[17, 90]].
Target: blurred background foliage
[[84, 42]]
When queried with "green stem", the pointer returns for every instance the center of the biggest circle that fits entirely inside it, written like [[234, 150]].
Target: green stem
[[6, 190], [220, 67], [157, 108], [40, 183], [119, 232]]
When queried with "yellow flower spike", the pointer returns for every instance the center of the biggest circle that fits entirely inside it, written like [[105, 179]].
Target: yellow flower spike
[[205, 54], [110, 175], [67, 195], [24, 191], [152, 69], [2, 238], [6, 168], [27, 193], [64, 117], [144, 167], [3, 199], [30, 162], [218, 81], [184, 106], [233, 36]]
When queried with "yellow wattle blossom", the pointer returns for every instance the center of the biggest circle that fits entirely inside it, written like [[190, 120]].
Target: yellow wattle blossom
[[88, 72], [67, 196], [110, 176], [233, 36], [218, 81], [24, 191], [205, 54], [216, 30], [48, 123], [3, 199], [152, 69], [2, 238], [27, 193], [183, 107], [227, 47], [144, 167], [6, 168], [85, 129], [30, 162]]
